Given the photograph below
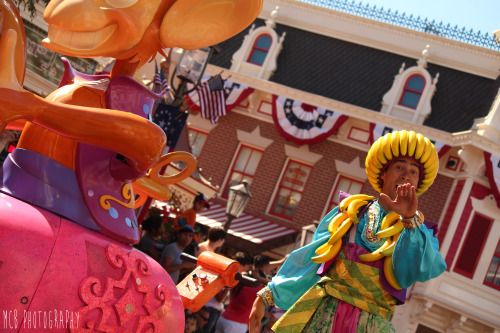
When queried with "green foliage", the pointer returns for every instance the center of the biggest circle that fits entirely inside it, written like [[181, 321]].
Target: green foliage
[[30, 5]]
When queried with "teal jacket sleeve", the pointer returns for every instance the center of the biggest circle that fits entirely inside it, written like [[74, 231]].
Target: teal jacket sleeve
[[298, 272], [416, 257]]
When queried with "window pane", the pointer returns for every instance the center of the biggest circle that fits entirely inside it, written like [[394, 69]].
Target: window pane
[[191, 136], [355, 188], [286, 202], [281, 201], [493, 275], [196, 141], [258, 57], [471, 249], [290, 191], [242, 161], [264, 42], [410, 99], [296, 176], [244, 168], [237, 178], [344, 185], [293, 203], [253, 162], [348, 186], [416, 83]]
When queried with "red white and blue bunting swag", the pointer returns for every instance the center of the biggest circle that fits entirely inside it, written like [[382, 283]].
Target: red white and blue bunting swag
[[492, 162], [304, 123], [378, 130]]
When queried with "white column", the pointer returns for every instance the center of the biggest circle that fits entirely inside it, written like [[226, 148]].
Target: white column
[[473, 159]]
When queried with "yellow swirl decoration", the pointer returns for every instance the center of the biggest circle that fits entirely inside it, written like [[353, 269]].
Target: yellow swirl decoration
[[127, 195], [140, 199]]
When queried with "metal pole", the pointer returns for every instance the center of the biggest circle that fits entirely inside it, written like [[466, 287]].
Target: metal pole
[[228, 222]]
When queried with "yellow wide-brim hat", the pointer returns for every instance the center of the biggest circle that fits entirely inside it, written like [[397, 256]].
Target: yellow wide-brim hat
[[402, 144]]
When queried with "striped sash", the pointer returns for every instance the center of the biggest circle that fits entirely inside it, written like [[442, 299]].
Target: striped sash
[[348, 281]]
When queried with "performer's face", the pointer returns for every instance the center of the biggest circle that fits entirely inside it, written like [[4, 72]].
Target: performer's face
[[401, 171]]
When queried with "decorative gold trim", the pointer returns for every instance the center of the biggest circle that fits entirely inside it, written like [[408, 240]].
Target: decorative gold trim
[[127, 194], [266, 295]]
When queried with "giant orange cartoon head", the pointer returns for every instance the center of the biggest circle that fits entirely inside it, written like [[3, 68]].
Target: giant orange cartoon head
[[135, 30]]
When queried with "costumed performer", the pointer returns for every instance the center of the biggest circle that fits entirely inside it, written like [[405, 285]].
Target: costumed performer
[[352, 283]]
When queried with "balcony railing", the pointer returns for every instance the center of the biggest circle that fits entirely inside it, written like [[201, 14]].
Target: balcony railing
[[486, 40]]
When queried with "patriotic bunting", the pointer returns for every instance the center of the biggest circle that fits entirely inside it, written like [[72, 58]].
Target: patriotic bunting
[[235, 94], [492, 162], [378, 130], [304, 123]]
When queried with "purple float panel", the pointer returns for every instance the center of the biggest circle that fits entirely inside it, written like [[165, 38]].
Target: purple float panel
[[104, 176]]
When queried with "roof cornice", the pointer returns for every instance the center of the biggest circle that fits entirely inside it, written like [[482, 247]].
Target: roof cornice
[[386, 37]]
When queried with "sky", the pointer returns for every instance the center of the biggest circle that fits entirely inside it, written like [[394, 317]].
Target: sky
[[478, 15]]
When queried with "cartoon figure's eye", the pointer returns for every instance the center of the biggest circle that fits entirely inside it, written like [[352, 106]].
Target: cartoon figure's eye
[[121, 3]]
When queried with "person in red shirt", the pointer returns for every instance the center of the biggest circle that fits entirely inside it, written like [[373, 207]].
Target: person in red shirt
[[235, 318]]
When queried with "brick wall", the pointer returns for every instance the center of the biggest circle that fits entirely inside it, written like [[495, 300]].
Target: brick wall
[[221, 145]]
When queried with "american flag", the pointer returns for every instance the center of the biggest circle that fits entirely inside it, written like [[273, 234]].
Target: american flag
[[157, 80], [172, 121], [164, 82], [160, 85], [212, 99]]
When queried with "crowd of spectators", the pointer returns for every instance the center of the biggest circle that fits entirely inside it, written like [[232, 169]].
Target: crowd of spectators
[[229, 310]]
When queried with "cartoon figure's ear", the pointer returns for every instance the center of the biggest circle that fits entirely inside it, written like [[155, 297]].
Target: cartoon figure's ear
[[193, 24]]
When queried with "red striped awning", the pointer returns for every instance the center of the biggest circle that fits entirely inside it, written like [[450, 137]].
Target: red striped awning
[[246, 226]]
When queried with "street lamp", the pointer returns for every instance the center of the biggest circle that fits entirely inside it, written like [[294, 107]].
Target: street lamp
[[190, 69], [239, 197]]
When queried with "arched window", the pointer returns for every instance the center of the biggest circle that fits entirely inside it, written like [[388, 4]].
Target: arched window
[[412, 91], [260, 50]]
